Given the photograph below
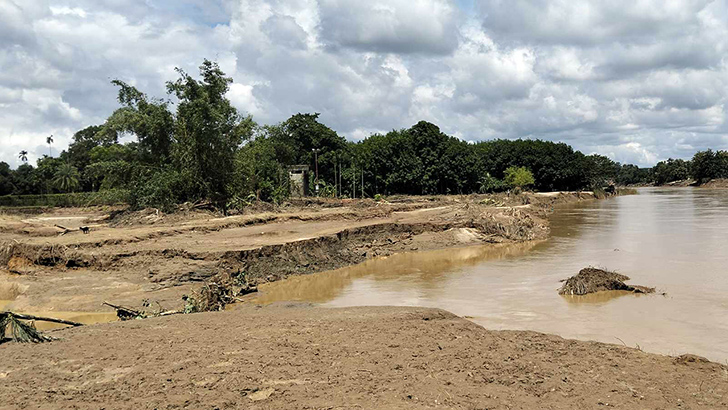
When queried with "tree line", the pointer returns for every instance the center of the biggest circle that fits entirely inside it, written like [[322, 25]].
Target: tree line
[[195, 146]]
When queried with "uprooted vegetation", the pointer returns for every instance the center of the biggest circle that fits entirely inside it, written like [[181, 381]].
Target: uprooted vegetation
[[225, 289], [20, 331], [592, 280]]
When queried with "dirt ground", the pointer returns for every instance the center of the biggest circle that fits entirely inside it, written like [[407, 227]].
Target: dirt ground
[[128, 258], [716, 184], [302, 357], [293, 355]]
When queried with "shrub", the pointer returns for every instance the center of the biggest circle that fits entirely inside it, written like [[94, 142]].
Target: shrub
[[519, 177], [78, 199], [490, 184]]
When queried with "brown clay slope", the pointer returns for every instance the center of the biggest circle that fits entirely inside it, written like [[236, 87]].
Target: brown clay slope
[[300, 357]]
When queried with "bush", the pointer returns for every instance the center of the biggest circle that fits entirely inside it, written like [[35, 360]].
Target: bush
[[519, 177], [490, 184], [161, 190]]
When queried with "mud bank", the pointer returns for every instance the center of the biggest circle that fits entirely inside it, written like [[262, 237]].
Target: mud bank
[[128, 262], [300, 357]]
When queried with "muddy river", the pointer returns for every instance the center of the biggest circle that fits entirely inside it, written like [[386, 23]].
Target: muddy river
[[673, 239]]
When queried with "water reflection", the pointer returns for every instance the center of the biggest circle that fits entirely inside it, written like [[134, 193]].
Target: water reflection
[[87, 318], [599, 297], [423, 270], [671, 239]]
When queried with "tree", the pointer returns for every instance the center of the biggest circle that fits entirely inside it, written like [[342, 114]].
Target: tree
[[66, 178], [208, 132], [148, 119], [707, 165], [25, 181], [6, 182], [49, 141], [45, 173], [23, 156], [600, 170], [671, 170], [519, 177], [632, 174]]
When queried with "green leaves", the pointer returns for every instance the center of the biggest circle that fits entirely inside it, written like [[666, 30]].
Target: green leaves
[[519, 177], [208, 131], [66, 178]]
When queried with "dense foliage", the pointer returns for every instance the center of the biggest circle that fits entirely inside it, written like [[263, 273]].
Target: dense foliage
[[195, 146]]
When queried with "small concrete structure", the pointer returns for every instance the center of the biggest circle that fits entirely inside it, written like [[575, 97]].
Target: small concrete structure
[[298, 176]]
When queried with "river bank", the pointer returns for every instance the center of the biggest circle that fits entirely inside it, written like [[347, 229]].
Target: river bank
[[130, 258], [300, 356]]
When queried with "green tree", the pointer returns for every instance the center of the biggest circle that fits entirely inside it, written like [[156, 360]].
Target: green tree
[[148, 119], [709, 164], [23, 156], [6, 179], [632, 174], [25, 181], [600, 170], [66, 178], [208, 132], [519, 177], [45, 173], [670, 170]]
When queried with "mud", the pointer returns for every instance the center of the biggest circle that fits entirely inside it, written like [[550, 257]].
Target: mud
[[593, 280], [127, 259], [300, 357], [716, 184]]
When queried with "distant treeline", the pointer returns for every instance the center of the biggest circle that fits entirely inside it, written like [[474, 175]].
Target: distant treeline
[[205, 150], [705, 166]]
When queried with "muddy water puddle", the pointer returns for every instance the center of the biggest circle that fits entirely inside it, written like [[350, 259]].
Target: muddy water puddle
[[87, 318], [673, 239]]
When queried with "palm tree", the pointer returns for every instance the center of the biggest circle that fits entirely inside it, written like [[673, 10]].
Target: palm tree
[[66, 178], [23, 156], [49, 141]]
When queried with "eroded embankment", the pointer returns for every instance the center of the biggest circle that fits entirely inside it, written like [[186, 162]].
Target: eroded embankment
[[151, 260]]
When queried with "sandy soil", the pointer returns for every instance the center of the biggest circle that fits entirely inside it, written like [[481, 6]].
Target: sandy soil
[[299, 357], [151, 256], [716, 184], [292, 355]]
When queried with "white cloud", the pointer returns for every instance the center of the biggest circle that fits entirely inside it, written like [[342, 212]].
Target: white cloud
[[639, 81]]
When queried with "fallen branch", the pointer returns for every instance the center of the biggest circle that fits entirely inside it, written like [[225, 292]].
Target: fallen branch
[[65, 230], [125, 313], [43, 319]]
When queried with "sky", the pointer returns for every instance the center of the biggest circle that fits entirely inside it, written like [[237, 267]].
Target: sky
[[636, 80]]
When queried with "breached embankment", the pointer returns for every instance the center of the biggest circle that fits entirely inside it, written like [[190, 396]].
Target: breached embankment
[[128, 263]]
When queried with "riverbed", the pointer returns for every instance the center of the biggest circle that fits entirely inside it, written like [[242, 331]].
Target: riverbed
[[673, 239]]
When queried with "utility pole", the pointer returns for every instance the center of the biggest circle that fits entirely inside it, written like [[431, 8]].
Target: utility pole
[[353, 183], [315, 153], [362, 183]]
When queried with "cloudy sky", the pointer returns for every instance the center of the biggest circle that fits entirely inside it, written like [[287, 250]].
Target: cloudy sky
[[637, 80]]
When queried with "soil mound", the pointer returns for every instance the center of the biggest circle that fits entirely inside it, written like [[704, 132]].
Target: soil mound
[[591, 280], [716, 184]]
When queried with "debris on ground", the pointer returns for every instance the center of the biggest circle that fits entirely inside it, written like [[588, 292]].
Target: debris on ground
[[223, 290], [23, 332], [127, 313], [591, 280]]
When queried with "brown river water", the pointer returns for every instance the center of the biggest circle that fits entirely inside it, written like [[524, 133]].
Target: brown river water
[[673, 239]]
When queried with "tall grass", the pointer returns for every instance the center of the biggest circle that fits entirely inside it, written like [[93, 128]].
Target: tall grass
[[76, 199]]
